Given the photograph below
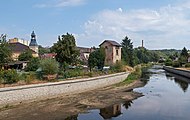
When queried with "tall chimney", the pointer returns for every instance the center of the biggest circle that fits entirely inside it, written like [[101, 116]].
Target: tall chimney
[[142, 44]]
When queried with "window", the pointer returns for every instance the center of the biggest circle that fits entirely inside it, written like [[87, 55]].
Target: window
[[117, 52]]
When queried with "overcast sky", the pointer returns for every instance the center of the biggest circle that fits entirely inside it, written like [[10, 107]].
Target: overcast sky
[[160, 23]]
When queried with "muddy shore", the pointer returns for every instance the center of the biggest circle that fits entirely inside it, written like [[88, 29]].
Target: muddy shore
[[62, 107]]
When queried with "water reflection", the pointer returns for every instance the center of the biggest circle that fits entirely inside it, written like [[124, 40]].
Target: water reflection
[[182, 82], [111, 111], [128, 104], [159, 101]]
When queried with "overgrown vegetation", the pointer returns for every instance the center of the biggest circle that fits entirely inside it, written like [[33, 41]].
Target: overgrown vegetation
[[178, 60], [49, 66], [135, 75], [5, 51], [33, 64], [117, 67], [66, 50], [134, 56], [9, 76], [97, 58], [25, 56]]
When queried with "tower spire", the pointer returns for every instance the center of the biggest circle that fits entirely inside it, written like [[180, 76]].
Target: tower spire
[[33, 40]]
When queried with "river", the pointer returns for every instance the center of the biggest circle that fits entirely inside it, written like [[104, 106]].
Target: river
[[166, 97]]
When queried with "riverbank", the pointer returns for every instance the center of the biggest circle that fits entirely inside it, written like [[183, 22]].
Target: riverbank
[[28, 93], [67, 105], [182, 72]]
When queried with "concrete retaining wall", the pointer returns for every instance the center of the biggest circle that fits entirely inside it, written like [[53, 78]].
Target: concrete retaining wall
[[15, 95], [185, 73]]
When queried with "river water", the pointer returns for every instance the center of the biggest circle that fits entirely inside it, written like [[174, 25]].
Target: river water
[[166, 97]]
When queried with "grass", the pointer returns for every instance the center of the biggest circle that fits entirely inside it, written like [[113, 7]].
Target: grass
[[135, 75]]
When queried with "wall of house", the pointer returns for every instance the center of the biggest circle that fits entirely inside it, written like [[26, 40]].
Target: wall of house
[[34, 48], [109, 53], [15, 55], [116, 57], [15, 40]]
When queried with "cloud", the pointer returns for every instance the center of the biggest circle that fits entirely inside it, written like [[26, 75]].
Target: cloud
[[61, 3], [167, 27]]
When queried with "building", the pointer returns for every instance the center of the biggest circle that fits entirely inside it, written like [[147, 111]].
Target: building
[[85, 53], [111, 111], [48, 56], [112, 51], [17, 40], [17, 46], [33, 44]]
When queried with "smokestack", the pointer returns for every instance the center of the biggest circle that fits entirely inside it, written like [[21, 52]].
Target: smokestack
[[142, 43]]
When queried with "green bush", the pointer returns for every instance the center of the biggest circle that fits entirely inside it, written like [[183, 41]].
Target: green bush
[[28, 77], [117, 67], [49, 66], [73, 73], [136, 74], [9, 76], [187, 65], [33, 64], [133, 76], [168, 63], [176, 64]]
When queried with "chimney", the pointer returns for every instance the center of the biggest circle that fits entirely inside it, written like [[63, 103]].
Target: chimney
[[142, 43]]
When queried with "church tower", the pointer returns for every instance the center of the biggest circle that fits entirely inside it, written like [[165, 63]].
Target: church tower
[[33, 44]]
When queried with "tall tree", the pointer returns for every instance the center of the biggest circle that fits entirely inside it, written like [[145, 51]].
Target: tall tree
[[5, 51], [184, 52], [43, 50], [66, 49], [25, 56], [183, 56], [97, 58], [127, 51]]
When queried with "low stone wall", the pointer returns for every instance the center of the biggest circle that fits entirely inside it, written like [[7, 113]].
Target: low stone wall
[[185, 73], [15, 95]]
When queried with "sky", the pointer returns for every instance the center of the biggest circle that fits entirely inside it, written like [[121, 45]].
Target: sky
[[162, 24]]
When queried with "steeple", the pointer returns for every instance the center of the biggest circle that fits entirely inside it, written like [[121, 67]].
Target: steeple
[[33, 40], [33, 44]]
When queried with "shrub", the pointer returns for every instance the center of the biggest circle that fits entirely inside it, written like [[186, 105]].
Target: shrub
[[117, 67], [169, 62], [28, 77], [187, 65], [10, 76], [33, 64], [176, 64], [133, 76], [49, 66]]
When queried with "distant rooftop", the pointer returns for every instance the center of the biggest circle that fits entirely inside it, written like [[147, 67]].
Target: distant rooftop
[[18, 47], [114, 43]]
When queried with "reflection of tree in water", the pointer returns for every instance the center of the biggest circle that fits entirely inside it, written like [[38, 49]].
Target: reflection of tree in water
[[145, 75], [184, 85], [128, 104], [183, 82], [74, 117]]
